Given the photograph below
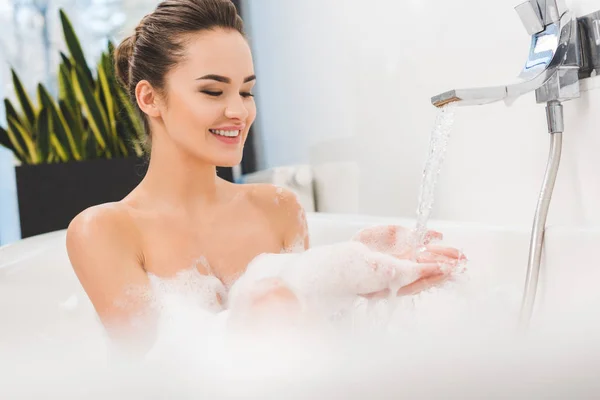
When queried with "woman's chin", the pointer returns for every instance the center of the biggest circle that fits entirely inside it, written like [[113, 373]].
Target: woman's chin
[[223, 160], [229, 163]]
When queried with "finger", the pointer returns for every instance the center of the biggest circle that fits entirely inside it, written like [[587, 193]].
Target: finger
[[433, 269], [446, 251], [422, 284], [408, 272], [431, 236], [403, 255], [435, 258], [382, 294], [380, 236], [426, 274]]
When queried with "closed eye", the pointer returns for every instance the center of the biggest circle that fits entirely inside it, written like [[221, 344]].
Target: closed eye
[[215, 94]]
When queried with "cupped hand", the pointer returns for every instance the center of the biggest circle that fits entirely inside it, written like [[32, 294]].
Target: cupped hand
[[433, 264], [401, 242], [393, 239]]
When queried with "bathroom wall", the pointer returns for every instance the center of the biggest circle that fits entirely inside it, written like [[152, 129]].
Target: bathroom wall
[[352, 82], [302, 96]]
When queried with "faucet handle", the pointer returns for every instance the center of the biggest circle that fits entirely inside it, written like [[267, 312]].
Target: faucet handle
[[530, 17], [537, 14], [553, 10]]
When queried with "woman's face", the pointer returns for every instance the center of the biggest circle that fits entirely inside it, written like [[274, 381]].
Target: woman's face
[[209, 105]]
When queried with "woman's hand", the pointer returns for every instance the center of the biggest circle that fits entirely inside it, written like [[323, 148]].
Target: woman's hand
[[429, 275], [401, 243], [434, 264]]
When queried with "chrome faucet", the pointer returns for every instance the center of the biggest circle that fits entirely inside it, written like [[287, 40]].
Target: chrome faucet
[[564, 50]]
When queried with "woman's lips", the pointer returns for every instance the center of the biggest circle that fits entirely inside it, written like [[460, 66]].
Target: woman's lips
[[228, 136]]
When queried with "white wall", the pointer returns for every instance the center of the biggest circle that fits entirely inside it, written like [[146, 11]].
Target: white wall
[[357, 76], [302, 96]]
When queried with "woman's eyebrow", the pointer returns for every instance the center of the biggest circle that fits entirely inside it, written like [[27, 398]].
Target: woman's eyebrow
[[224, 79]]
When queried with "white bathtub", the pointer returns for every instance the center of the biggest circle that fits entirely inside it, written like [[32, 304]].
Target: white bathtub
[[41, 299], [39, 291], [38, 287]]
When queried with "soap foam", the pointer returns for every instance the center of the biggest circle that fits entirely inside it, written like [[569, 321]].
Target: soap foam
[[451, 341]]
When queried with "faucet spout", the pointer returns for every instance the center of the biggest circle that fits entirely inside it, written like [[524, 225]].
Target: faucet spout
[[473, 96], [554, 59]]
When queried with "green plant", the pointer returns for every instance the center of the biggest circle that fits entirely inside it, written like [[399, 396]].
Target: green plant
[[92, 117]]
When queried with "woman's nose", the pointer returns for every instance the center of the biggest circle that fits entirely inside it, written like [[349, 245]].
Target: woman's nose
[[236, 109]]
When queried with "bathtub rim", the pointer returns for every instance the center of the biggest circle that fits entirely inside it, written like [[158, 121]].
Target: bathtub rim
[[346, 219], [358, 219]]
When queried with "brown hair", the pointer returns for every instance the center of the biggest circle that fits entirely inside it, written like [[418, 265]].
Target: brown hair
[[158, 42]]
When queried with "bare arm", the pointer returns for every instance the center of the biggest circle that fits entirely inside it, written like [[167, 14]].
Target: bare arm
[[102, 247]]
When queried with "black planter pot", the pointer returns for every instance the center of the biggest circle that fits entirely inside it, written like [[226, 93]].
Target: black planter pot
[[51, 195]]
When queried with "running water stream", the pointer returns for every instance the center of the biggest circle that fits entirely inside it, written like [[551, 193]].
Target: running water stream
[[437, 150]]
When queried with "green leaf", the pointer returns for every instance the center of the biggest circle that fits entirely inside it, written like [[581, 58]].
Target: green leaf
[[18, 145], [127, 110], [43, 129], [129, 124], [108, 100], [75, 48], [75, 125], [91, 146], [124, 133], [68, 99], [111, 50], [65, 87], [26, 104], [122, 147], [11, 112], [44, 97], [22, 141], [96, 116], [6, 141], [66, 61], [59, 150], [107, 63], [61, 128], [63, 132]]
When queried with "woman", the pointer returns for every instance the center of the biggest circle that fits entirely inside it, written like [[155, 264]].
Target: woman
[[189, 70]]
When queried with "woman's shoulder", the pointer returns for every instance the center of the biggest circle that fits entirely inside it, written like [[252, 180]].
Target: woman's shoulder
[[284, 209], [274, 199], [108, 215], [101, 227]]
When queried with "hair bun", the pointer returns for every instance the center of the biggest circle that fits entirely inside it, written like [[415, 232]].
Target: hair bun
[[123, 55]]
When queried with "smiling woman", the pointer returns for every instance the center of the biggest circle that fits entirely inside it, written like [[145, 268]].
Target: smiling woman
[[189, 70]]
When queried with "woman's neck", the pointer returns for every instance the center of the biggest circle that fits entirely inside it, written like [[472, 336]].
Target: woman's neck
[[179, 180]]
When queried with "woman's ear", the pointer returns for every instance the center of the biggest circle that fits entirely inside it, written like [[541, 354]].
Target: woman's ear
[[147, 98]]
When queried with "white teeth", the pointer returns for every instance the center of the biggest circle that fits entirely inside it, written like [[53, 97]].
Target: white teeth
[[225, 133]]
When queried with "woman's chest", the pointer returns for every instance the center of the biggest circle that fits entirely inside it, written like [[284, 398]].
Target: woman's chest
[[223, 251]]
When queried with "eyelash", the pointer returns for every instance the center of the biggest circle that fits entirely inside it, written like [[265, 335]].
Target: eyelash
[[215, 94]]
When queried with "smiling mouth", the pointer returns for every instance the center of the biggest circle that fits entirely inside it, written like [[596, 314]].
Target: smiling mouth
[[220, 132]]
